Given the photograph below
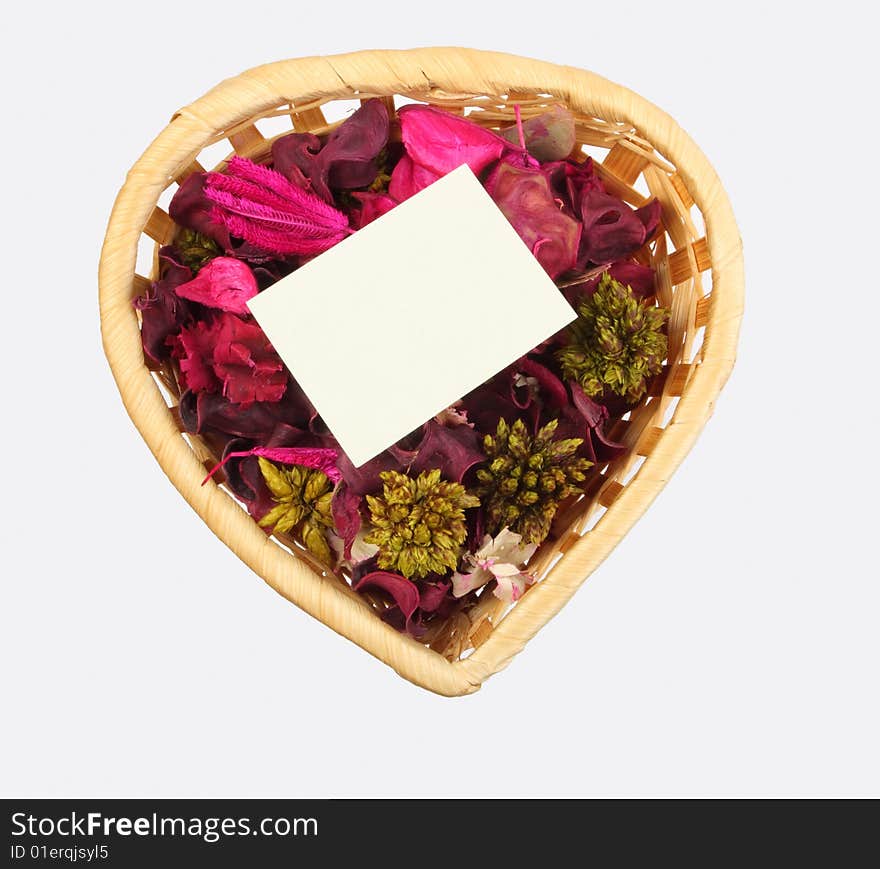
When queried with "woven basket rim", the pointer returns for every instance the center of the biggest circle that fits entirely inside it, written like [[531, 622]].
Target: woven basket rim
[[430, 70]]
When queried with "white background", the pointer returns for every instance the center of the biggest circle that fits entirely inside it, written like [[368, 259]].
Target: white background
[[727, 647]]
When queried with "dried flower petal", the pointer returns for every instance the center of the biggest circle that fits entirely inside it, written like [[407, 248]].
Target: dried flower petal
[[232, 356], [346, 161], [318, 458], [408, 178], [500, 559], [373, 206], [190, 208], [551, 388], [223, 283], [441, 142], [404, 593], [452, 450], [346, 516], [163, 314], [294, 156], [349, 158], [613, 230], [525, 199]]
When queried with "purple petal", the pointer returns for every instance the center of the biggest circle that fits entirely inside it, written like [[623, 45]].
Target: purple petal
[[192, 209], [432, 595], [403, 592], [612, 230], [595, 416], [365, 479], [650, 215], [294, 157], [163, 314], [345, 507], [453, 450], [552, 388], [209, 412], [348, 160]]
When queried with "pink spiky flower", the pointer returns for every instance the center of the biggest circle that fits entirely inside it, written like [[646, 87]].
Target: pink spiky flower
[[262, 207]]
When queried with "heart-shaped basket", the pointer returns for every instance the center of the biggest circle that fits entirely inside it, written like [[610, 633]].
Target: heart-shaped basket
[[639, 152]]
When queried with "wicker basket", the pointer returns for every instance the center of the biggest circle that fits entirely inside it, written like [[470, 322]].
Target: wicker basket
[[639, 152]]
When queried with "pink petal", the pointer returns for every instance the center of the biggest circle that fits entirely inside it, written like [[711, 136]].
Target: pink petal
[[223, 283], [442, 142], [408, 178], [373, 206]]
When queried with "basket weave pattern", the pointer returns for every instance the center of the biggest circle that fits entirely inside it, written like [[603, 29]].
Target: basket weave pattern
[[639, 153]]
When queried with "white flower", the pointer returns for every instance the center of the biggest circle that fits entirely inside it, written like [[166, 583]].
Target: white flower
[[500, 559]]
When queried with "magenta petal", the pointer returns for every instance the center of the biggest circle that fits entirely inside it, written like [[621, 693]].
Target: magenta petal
[[320, 458], [403, 592], [408, 178], [223, 283], [373, 206], [442, 142], [526, 200]]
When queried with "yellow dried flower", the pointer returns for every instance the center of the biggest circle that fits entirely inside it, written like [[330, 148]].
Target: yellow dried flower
[[302, 499], [419, 523]]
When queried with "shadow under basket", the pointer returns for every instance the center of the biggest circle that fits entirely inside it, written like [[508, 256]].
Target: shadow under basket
[[639, 152]]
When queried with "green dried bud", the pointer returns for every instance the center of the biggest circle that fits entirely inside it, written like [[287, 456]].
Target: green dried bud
[[616, 343], [383, 173], [302, 505], [195, 249], [526, 477], [418, 523]]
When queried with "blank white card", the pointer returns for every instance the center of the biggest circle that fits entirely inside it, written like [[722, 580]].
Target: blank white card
[[407, 315]]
